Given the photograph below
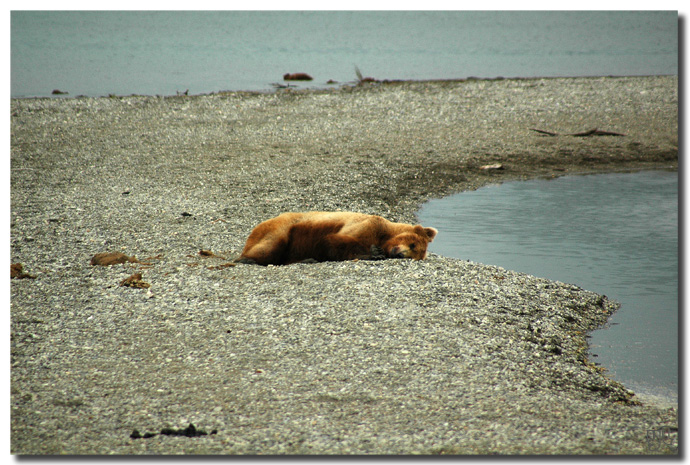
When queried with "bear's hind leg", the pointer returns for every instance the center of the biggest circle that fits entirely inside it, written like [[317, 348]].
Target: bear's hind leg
[[245, 260], [264, 252]]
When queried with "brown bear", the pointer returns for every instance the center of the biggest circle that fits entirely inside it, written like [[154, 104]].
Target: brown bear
[[333, 236]]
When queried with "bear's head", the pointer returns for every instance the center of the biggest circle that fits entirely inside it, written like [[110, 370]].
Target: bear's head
[[411, 244]]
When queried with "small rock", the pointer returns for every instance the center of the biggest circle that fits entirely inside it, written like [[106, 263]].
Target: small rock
[[137, 435], [297, 77], [135, 281], [17, 272], [496, 166], [189, 431], [112, 258]]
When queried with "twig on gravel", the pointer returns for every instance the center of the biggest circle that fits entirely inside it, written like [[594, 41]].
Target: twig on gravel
[[591, 132]]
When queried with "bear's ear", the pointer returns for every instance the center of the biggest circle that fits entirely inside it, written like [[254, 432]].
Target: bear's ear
[[431, 233]]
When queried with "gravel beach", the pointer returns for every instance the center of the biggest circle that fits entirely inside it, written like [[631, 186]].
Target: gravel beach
[[441, 356]]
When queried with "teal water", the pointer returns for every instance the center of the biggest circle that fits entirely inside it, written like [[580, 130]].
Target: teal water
[[97, 53], [614, 234]]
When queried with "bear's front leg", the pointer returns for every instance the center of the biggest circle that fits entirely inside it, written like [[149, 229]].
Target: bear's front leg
[[376, 253], [341, 247]]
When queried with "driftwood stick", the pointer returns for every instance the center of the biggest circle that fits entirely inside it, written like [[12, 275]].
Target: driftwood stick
[[591, 132], [595, 132], [607, 133], [544, 132], [583, 134]]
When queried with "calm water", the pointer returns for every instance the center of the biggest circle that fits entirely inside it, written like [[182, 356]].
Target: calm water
[[99, 53], [615, 234]]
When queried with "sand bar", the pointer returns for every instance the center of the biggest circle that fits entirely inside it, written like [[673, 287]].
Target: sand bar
[[441, 356]]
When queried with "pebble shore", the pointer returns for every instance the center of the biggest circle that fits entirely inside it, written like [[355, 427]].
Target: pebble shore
[[441, 356]]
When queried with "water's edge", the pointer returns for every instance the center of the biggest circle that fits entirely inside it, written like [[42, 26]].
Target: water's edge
[[660, 396]]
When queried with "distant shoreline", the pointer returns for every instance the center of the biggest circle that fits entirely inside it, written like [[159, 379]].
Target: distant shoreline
[[325, 86]]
